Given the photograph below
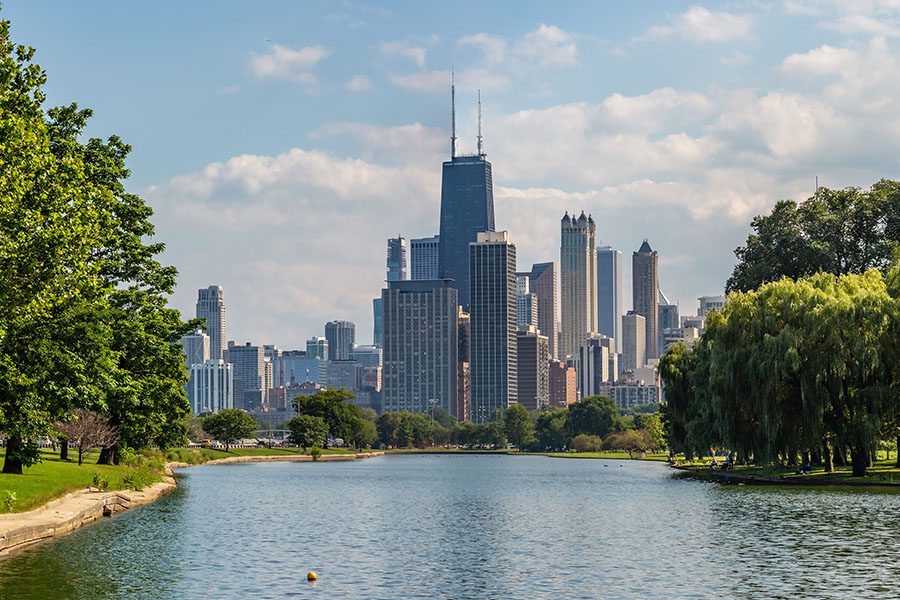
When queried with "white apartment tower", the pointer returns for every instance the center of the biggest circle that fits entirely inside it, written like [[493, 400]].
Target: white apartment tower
[[578, 283], [211, 308]]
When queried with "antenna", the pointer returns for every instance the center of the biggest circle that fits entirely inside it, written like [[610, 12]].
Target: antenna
[[452, 115], [480, 138]]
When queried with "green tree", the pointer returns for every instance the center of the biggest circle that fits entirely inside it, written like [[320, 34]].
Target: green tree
[[518, 426], [594, 415], [308, 431], [587, 443], [652, 424], [341, 416], [229, 426], [550, 429]]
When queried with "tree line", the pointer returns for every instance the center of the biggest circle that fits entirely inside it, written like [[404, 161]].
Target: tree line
[[804, 365], [83, 319]]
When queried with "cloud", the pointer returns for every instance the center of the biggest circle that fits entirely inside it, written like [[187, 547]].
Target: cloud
[[405, 50], [359, 83], [851, 24], [701, 25], [548, 46], [286, 63], [426, 81]]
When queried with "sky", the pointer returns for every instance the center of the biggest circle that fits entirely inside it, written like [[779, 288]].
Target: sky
[[281, 143]]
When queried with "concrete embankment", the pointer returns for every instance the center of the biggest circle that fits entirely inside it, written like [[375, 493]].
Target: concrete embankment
[[75, 510]]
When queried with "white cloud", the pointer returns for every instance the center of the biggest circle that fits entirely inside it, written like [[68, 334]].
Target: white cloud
[[404, 49], [426, 81], [699, 24], [548, 46], [824, 60], [359, 83], [286, 63]]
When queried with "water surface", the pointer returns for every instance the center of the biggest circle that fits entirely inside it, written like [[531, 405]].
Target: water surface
[[437, 526]]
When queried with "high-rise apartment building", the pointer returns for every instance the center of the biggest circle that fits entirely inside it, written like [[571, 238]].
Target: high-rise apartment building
[[492, 273], [377, 321], [563, 387], [467, 208], [341, 336], [463, 394], [211, 308], [210, 388], [543, 282], [423, 253], [296, 366], [609, 294], [708, 303], [578, 282], [634, 342], [596, 364], [396, 259], [249, 372], [420, 346], [668, 320], [645, 293], [195, 347], [533, 368], [317, 347]]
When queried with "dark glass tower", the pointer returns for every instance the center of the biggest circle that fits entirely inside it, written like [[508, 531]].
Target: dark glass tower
[[467, 208]]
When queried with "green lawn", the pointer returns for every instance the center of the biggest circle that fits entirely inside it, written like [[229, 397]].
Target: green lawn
[[53, 478], [612, 455], [884, 470]]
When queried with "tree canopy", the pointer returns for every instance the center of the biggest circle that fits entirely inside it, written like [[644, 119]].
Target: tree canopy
[[229, 426]]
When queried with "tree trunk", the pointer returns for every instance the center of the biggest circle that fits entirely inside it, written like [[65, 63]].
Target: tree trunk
[[840, 456], [109, 456], [64, 450], [860, 460], [80, 455], [827, 456], [12, 465]]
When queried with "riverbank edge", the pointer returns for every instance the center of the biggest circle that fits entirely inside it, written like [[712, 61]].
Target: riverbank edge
[[77, 509], [706, 474]]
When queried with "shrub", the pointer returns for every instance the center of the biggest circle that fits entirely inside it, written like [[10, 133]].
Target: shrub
[[98, 482], [586, 443], [9, 500], [315, 452]]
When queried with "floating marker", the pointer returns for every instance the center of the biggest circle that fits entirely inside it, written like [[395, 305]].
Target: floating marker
[[311, 576]]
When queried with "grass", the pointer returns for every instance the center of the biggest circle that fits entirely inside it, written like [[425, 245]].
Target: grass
[[53, 478], [610, 454], [197, 456]]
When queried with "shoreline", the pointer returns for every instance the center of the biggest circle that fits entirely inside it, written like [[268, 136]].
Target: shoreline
[[706, 474], [77, 509]]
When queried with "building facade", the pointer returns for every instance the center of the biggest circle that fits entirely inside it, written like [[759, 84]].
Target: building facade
[[645, 293], [609, 294], [563, 387], [634, 342], [420, 346], [533, 368], [211, 308], [195, 347], [341, 336], [248, 364], [708, 303], [544, 283], [577, 283], [423, 253], [494, 380], [594, 364], [317, 347], [526, 302], [396, 259], [211, 386]]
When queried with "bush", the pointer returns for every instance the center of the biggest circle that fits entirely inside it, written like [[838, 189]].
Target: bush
[[315, 452], [9, 500], [587, 443], [98, 482], [138, 478]]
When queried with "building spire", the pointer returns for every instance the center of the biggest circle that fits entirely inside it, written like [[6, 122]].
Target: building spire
[[452, 115], [480, 138]]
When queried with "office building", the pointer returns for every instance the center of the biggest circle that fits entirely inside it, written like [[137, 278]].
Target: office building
[[195, 347], [317, 347], [628, 394], [594, 364], [634, 343], [420, 346], [563, 386], [708, 303], [645, 293], [377, 321], [492, 271], [467, 208], [296, 366], [343, 374], [526, 302], [211, 308], [367, 356], [463, 394], [609, 294], [249, 374], [210, 388], [533, 368], [577, 282], [341, 336], [543, 282], [423, 253], [396, 259], [668, 319]]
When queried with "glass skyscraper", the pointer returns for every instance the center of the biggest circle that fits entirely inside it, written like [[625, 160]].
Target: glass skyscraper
[[609, 294], [467, 208]]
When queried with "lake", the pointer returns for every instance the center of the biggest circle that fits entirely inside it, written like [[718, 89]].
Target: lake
[[472, 526]]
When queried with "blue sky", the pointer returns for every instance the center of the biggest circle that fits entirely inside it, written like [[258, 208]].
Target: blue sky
[[280, 143]]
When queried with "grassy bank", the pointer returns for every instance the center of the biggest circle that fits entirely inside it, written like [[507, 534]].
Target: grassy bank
[[883, 472], [611, 455], [53, 478]]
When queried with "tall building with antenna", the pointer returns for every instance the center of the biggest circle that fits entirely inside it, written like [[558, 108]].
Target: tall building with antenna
[[467, 206]]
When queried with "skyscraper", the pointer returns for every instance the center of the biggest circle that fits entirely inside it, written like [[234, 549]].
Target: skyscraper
[[341, 336], [210, 387], [578, 282], [211, 308], [645, 293], [544, 283], [668, 320], [423, 257], [492, 270], [249, 372], [609, 294], [420, 346], [396, 259], [196, 348], [467, 208], [533, 368], [634, 342], [526, 302], [317, 347]]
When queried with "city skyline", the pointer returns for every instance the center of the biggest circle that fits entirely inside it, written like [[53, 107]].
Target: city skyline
[[704, 116]]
